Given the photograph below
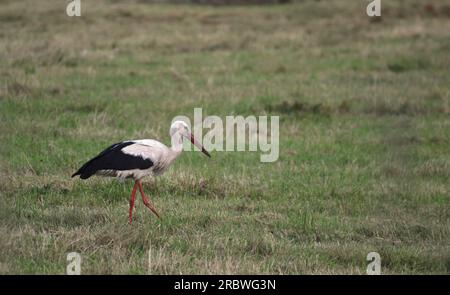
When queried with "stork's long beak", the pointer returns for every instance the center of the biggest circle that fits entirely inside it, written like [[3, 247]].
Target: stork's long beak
[[197, 144]]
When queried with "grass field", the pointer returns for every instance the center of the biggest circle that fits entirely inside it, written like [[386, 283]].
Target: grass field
[[364, 163]]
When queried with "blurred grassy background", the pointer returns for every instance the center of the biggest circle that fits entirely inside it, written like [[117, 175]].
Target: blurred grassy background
[[364, 140]]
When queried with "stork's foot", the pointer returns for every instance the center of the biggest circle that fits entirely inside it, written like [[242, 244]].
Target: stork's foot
[[146, 201], [149, 205]]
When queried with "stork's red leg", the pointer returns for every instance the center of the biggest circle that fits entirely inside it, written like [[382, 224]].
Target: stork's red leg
[[133, 194], [146, 201]]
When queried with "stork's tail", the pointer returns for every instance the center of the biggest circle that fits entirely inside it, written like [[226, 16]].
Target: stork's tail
[[85, 171]]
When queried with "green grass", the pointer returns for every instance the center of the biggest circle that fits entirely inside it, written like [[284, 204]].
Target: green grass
[[364, 137]]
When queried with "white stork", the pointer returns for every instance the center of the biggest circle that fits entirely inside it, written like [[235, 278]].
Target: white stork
[[138, 158]]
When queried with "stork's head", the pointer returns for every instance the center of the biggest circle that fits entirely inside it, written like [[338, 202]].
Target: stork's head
[[181, 129]]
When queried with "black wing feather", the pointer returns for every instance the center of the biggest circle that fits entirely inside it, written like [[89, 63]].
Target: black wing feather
[[112, 158]]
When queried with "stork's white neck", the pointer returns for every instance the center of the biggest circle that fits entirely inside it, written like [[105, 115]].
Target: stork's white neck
[[177, 143]]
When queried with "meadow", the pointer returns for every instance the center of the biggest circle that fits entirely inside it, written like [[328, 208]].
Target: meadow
[[364, 165]]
